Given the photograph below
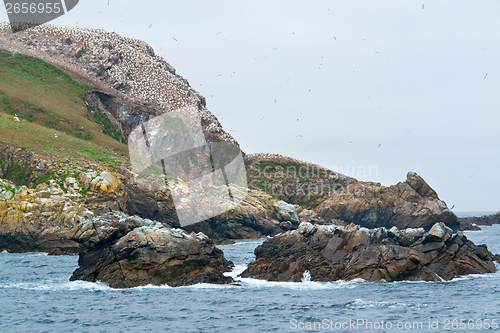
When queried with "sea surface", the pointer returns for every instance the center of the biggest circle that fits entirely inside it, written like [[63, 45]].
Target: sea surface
[[36, 296]]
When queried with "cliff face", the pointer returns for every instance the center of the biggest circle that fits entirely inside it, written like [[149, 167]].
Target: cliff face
[[131, 81]]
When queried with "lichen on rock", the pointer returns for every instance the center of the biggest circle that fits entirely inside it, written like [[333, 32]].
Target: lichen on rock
[[124, 251]]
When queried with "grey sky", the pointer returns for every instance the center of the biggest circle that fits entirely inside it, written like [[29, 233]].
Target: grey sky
[[382, 84]]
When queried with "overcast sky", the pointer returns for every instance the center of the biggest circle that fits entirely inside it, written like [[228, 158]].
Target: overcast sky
[[393, 85]]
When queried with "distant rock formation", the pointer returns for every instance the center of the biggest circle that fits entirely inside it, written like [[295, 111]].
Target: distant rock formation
[[126, 252], [333, 253], [409, 204], [472, 222]]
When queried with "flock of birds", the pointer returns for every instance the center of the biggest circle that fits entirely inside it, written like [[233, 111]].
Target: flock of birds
[[132, 64]]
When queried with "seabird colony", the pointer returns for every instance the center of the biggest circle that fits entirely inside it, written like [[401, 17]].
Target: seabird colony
[[126, 64]]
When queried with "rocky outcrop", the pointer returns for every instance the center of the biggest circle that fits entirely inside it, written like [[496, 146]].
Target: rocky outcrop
[[125, 252], [336, 197], [286, 212], [37, 220], [107, 191], [331, 253], [409, 204]]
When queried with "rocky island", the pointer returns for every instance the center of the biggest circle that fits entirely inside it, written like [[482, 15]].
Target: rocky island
[[68, 186]]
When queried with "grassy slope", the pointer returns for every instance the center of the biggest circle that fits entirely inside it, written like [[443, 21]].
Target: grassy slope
[[49, 102]]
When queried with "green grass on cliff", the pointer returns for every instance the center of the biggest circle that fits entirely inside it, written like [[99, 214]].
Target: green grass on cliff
[[53, 116]]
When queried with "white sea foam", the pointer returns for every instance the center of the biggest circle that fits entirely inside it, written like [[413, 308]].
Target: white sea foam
[[237, 270], [308, 285], [58, 286]]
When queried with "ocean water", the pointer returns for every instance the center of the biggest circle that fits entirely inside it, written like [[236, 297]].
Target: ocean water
[[36, 296]]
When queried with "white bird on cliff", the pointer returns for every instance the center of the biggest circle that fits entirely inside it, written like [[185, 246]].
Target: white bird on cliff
[[55, 134], [16, 118]]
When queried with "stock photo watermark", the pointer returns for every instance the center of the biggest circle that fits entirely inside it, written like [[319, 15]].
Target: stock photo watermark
[[305, 180], [205, 178], [360, 324], [24, 14]]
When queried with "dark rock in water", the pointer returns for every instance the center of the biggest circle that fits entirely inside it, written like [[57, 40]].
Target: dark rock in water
[[410, 204], [333, 253], [126, 252], [472, 222]]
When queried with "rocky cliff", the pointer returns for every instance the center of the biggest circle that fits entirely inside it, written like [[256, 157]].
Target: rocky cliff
[[132, 83], [334, 196], [37, 219], [331, 253]]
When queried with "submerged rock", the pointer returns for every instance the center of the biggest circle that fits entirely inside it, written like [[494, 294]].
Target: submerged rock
[[331, 253], [126, 252]]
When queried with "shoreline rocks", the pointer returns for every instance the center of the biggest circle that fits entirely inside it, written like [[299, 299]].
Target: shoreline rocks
[[126, 252], [333, 253], [37, 220]]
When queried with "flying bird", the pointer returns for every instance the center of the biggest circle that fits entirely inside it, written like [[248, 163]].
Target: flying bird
[[485, 76], [379, 145], [423, 5], [175, 39], [150, 26], [334, 37]]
